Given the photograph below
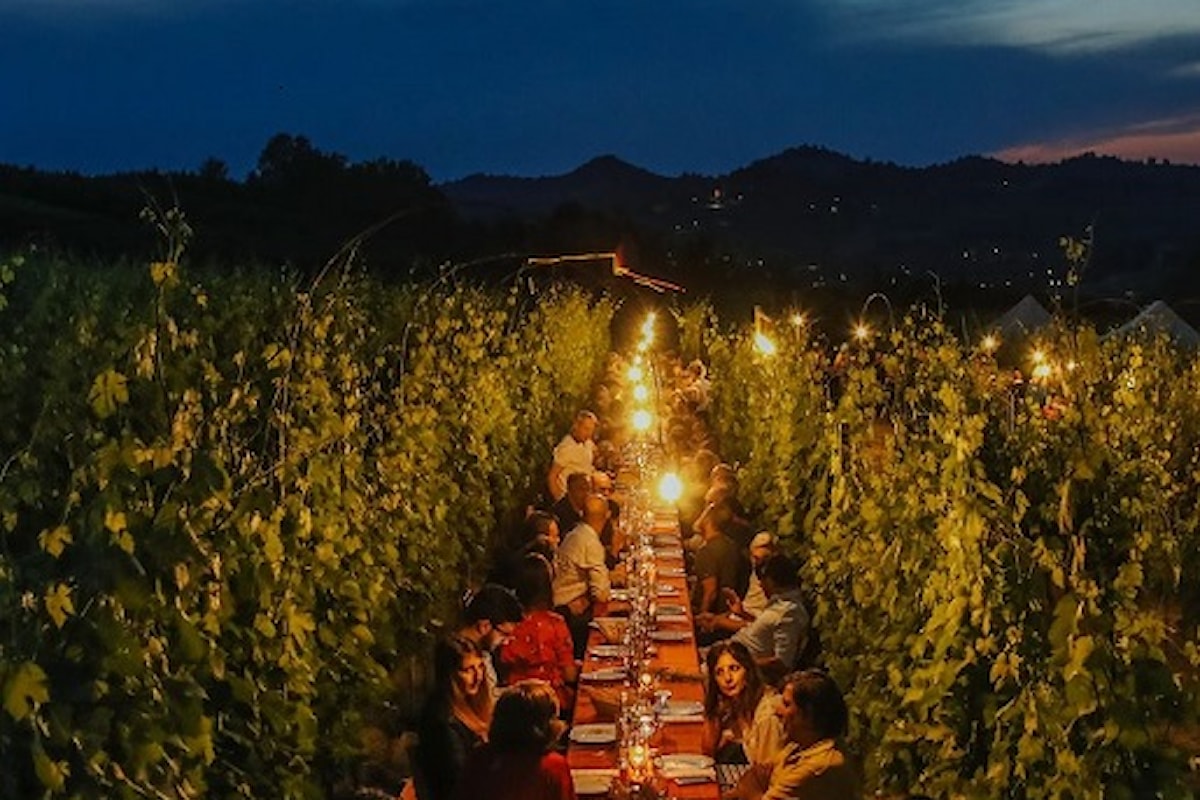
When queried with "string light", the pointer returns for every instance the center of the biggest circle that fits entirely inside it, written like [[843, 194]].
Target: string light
[[764, 345], [640, 393], [798, 320], [862, 332], [635, 373], [642, 420], [990, 343]]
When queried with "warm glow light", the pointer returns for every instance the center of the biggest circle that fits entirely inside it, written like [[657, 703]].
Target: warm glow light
[[648, 328], [1038, 356], [798, 320], [764, 345], [670, 487], [1042, 371], [862, 332], [635, 374], [990, 343], [643, 346], [1072, 366], [642, 420], [640, 393]]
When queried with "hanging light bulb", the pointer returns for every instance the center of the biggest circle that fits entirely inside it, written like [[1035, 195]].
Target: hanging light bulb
[[642, 420], [640, 393], [670, 487], [635, 374]]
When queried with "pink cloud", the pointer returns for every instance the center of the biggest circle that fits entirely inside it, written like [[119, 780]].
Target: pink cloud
[[1176, 140]]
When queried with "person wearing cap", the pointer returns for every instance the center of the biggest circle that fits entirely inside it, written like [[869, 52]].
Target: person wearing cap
[[762, 546]]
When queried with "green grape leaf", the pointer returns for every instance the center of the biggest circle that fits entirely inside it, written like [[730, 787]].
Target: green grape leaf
[[25, 690], [109, 391]]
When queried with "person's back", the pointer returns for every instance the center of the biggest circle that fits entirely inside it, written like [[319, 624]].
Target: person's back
[[519, 761], [496, 775]]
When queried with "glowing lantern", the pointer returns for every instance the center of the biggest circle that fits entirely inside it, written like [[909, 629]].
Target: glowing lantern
[[670, 487]]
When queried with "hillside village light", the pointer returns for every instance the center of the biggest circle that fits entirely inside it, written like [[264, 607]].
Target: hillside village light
[[670, 487]]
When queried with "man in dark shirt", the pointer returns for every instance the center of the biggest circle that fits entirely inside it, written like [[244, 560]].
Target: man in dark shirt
[[569, 508], [719, 563]]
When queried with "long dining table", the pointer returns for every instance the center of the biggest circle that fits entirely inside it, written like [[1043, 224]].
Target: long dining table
[[675, 659]]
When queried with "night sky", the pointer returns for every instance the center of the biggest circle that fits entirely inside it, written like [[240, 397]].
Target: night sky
[[536, 87]]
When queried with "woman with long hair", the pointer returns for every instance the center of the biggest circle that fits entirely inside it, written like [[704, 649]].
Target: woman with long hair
[[540, 646], [519, 761], [740, 723], [456, 716]]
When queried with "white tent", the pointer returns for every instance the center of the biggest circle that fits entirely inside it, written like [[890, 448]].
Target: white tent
[[1156, 318], [1024, 318]]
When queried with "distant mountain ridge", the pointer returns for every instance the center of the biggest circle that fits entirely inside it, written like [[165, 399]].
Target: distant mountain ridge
[[976, 220]]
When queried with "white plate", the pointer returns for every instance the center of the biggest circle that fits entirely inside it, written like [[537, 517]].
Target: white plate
[[684, 708], [595, 733], [591, 782], [671, 608], [685, 761], [620, 595], [671, 572], [667, 589], [669, 554], [670, 636], [606, 650], [605, 674]]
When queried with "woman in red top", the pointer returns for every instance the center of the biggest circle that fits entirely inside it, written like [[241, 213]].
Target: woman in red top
[[518, 762], [540, 646]]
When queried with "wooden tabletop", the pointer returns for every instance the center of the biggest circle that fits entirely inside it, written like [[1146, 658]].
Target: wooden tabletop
[[682, 680]]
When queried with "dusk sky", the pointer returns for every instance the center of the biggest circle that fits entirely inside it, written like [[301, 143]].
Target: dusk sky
[[537, 87]]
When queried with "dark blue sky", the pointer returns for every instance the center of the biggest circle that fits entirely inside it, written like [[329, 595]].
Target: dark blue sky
[[534, 87]]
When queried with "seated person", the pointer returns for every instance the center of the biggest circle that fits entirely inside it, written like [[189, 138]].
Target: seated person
[[581, 576], [719, 564], [489, 616], [540, 646], [568, 509], [519, 761], [455, 718], [762, 546], [777, 635], [810, 765], [539, 534], [741, 725]]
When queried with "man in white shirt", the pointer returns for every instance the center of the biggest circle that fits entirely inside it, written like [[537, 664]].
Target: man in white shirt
[[575, 453], [580, 575]]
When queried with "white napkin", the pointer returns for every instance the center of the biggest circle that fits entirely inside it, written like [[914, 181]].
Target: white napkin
[[683, 774]]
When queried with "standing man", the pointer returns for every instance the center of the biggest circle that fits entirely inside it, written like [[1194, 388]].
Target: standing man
[[575, 453], [580, 574]]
